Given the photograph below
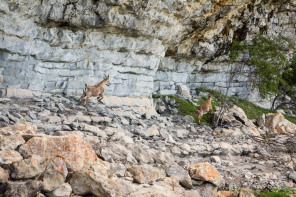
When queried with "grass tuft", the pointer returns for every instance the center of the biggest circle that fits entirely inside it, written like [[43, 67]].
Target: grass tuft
[[273, 194]]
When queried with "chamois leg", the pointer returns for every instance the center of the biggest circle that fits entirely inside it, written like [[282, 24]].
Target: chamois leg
[[86, 101], [82, 97], [100, 99], [200, 114]]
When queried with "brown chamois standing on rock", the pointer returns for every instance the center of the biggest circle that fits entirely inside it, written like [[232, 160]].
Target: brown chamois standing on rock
[[96, 90], [204, 108]]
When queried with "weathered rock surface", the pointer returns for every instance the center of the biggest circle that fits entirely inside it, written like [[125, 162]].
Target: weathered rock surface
[[55, 174], [145, 174], [74, 151], [277, 123], [205, 172], [28, 168]]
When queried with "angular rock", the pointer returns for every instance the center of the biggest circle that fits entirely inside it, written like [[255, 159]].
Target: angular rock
[[4, 175], [277, 123], [164, 191], [95, 130], [189, 119], [165, 159], [292, 176], [94, 182], [235, 116], [144, 174], [181, 174], [155, 190], [18, 128], [65, 133], [83, 118], [167, 137], [252, 131], [121, 136], [9, 156], [76, 152], [64, 190], [118, 153], [12, 118], [4, 118], [261, 120], [152, 131], [28, 168], [246, 192], [101, 120], [117, 169], [23, 189], [205, 172], [226, 194], [55, 174], [142, 155], [207, 189], [171, 182], [216, 159], [184, 91], [11, 142]]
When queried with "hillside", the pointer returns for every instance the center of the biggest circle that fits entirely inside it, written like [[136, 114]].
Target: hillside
[[51, 145]]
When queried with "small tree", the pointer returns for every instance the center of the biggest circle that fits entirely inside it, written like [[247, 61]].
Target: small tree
[[268, 68], [267, 61]]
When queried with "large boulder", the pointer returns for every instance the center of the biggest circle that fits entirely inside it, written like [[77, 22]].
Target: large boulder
[[145, 173], [76, 152], [234, 116], [11, 136], [278, 124], [205, 172]]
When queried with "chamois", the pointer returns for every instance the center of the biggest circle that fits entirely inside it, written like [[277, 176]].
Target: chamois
[[96, 90], [204, 108]]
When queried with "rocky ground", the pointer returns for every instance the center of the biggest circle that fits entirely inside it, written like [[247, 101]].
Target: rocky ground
[[51, 145]]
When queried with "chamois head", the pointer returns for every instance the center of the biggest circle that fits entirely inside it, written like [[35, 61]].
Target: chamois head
[[210, 96], [106, 78]]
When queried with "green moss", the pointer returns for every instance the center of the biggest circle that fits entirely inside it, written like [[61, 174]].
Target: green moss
[[265, 137]]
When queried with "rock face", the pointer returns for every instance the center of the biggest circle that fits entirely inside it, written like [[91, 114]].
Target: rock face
[[145, 46]]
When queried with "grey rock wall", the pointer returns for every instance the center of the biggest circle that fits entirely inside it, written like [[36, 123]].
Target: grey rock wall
[[145, 46]]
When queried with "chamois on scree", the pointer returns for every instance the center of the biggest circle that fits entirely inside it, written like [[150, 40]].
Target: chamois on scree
[[204, 108], [96, 90]]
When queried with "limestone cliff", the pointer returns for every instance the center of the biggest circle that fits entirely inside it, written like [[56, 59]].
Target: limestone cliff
[[145, 46]]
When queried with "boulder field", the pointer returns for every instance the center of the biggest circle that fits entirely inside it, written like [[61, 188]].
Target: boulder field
[[50, 145]]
